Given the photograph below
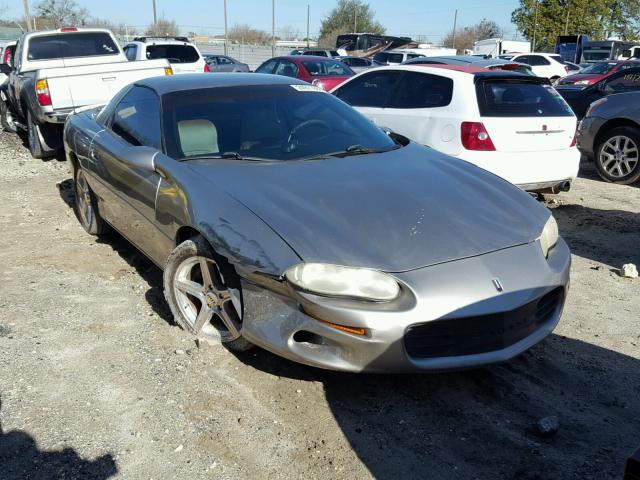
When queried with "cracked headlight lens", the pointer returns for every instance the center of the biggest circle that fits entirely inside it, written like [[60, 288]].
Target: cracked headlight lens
[[339, 281]]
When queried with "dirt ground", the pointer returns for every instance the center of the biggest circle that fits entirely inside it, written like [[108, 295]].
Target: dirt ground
[[97, 382]]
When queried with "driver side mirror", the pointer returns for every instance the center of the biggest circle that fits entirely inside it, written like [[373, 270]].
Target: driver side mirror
[[4, 68], [142, 157]]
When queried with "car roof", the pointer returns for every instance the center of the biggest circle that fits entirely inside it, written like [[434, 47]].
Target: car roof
[[296, 58], [457, 68], [193, 81], [457, 71]]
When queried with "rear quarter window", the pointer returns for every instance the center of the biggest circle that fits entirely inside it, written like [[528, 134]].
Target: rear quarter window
[[422, 90], [173, 53], [505, 98]]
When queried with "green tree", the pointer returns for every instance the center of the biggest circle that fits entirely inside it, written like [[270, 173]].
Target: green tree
[[599, 19], [465, 37], [348, 16]]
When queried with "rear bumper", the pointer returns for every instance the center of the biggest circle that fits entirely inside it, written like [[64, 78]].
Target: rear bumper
[[539, 170]]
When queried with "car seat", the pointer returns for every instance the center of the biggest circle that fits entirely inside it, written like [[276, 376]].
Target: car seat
[[197, 137]]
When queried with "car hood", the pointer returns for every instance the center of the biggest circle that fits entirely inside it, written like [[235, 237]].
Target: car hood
[[394, 211]]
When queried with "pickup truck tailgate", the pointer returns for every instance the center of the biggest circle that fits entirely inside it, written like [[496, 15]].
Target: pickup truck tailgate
[[74, 87]]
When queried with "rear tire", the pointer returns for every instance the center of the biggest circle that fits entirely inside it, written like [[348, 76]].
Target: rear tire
[[617, 155], [85, 205], [204, 294], [37, 139], [6, 118]]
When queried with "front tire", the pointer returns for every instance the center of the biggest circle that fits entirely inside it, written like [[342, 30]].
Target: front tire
[[204, 294], [85, 205], [618, 155], [6, 118], [33, 138]]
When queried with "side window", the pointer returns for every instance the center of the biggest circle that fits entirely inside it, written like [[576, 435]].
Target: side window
[[623, 83], [523, 59], [137, 118], [539, 61], [359, 62], [372, 90], [286, 68], [267, 67], [422, 90], [224, 61]]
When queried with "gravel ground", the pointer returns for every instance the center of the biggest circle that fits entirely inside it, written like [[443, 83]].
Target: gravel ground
[[97, 382]]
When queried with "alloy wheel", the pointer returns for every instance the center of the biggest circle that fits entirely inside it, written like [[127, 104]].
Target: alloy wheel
[[83, 199], [206, 303], [619, 156]]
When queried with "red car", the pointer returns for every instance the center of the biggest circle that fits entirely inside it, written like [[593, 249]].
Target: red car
[[321, 71], [596, 72]]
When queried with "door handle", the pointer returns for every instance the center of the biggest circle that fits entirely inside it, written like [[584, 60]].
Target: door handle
[[94, 154]]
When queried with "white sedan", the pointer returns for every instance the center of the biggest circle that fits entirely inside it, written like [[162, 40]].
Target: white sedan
[[515, 126]]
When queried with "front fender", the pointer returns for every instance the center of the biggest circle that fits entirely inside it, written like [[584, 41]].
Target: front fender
[[233, 230]]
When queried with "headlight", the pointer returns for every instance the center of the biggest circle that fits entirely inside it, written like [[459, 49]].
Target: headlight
[[549, 236], [338, 281]]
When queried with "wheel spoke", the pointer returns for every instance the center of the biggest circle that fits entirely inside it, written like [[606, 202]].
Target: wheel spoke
[[190, 287], [227, 320], [204, 316], [206, 273]]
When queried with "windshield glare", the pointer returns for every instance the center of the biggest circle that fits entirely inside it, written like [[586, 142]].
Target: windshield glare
[[598, 68], [271, 122]]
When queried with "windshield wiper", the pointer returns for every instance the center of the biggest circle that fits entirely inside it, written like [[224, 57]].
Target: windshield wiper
[[360, 150], [225, 155]]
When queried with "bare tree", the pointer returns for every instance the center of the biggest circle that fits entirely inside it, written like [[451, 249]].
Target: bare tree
[[465, 37], [289, 33], [243, 33], [163, 28], [62, 13]]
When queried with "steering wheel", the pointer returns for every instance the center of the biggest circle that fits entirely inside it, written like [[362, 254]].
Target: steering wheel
[[305, 124]]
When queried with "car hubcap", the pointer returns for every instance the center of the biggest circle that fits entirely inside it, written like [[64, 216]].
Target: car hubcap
[[619, 156], [83, 199], [207, 304]]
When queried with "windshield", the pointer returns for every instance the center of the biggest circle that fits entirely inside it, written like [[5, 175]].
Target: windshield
[[596, 55], [271, 122], [512, 98], [70, 45], [598, 68], [326, 68], [173, 53]]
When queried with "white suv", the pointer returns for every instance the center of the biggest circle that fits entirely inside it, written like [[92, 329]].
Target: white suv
[[547, 65], [183, 56], [513, 125]]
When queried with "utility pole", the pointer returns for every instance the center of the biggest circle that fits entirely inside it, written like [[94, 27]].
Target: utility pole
[[535, 27], [307, 25], [566, 22], [455, 21], [226, 38], [355, 19], [27, 14], [155, 16], [273, 28]]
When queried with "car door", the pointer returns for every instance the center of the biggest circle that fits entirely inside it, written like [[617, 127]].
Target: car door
[[370, 93], [126, 187], [224, 65]]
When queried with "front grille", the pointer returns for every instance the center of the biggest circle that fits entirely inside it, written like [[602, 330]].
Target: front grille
[[481, 334]]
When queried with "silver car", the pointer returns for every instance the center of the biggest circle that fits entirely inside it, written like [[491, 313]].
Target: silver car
[[224, 63], [283, 218]]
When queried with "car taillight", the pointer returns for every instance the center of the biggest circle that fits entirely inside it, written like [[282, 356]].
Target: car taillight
[[566, 69], [68, 29], [574, 142], [475, 137], [168, 71], [42, 92], [206, 68], [6, 56]]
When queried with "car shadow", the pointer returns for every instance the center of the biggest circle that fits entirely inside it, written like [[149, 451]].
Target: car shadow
[[606, 236], [481, 423], [20, 458], [59, 154], [144, 267]]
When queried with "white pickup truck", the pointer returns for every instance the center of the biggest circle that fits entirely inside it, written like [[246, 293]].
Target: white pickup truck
[[56, 72]]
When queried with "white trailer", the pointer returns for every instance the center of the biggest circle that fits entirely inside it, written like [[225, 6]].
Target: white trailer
[[493, 47]]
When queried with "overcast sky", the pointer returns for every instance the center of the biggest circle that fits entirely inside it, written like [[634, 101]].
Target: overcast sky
[[412, 18]]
